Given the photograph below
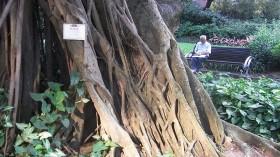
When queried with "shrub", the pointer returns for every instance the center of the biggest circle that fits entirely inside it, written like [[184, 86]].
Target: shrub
[[197, 16], [271, 9], [183, 29], [266, 38], [5, 120], [276, 52], [248, 9], [253, 105], [236, 30], [37, 138]]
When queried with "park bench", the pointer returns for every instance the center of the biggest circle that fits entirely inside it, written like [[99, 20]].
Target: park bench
[[229, 55]]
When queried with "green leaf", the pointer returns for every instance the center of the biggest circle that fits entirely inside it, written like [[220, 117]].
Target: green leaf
[[275, 91], [53, 117], [20, 150], [33, 136], [75, 78], [229, 112], [59, 97], [96, 154], [259, 118], [235, 120], [54, 86], [85, 100], [70, 109], [39, 147], [37, 96], [21, 126], [60, 107], [225, 103], [7, 108], [246, 125], [32, 150], [99, 146], [2, 90], [110, 144], [51, 129], [46, 144], [243, 113], [59, 153], [263, 129], [97, 137], [268, 117], [257, 105], [239, 104], [251, 116], [19, 140], [65, 122], [2, 139], [8, 125], [39, 125], [80, 90], [45, 107], [44, 135]]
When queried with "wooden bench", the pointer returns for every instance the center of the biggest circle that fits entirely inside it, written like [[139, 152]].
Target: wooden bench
[[227, 55]]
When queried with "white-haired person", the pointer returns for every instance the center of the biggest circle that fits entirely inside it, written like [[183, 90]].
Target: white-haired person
[[201, 53]]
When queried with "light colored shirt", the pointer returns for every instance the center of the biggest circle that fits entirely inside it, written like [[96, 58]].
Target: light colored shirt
[[206, 47]]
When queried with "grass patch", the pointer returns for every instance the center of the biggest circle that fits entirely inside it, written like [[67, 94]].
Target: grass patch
[[186, 47]]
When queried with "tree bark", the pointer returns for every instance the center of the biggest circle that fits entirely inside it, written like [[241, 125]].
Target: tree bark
[[16, 58], [208, 4], [6, 12], [161, 104]]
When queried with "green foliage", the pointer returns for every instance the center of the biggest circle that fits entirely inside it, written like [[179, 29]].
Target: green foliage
[[36, 138], [253, 105], [248, 9], [195, 22], [233, 29], [194, 14], [276, 51], [102, 145], [266, 38], [33, 142], [5, 120]]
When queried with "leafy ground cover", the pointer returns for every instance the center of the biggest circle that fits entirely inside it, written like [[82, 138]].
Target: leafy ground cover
[[254, 105]]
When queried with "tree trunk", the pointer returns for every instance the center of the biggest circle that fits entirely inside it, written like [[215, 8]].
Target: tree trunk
[[161, 104], [208, 4]]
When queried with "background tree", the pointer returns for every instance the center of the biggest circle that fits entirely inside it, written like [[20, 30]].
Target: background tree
[[148, 100], [208, 4]]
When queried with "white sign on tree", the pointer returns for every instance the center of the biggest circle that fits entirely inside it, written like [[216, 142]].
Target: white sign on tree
[[74, 31]]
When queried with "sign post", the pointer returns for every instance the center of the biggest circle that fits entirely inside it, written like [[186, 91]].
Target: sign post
[[74, 31]]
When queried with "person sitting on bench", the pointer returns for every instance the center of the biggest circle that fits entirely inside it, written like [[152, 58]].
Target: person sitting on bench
[[201, 53]]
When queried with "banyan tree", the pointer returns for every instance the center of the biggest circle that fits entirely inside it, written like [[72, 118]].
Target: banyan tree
[[142, 92]]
